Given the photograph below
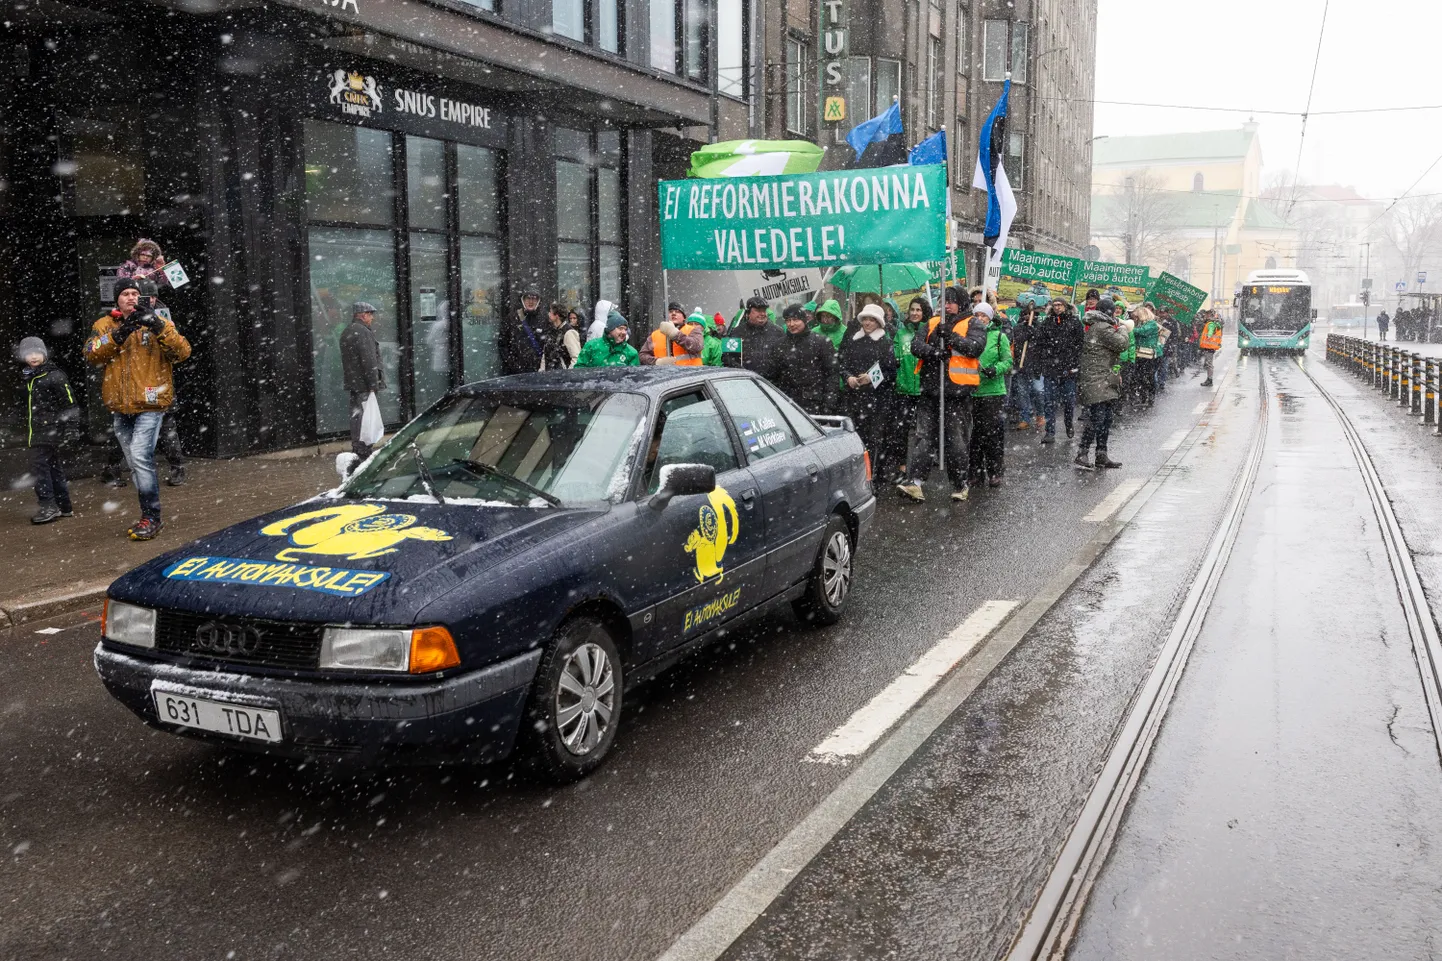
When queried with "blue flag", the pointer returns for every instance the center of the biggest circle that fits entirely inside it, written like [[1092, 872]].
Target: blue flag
[[876, 129], [932, 150], [991, 177]]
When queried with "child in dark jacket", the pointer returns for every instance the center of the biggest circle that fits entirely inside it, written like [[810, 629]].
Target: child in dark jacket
[[50, 413]]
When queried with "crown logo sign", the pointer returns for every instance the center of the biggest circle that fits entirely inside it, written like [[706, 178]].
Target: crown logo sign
[[355, 81]]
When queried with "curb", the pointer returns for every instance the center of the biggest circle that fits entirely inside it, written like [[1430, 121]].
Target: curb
[[15, 613]]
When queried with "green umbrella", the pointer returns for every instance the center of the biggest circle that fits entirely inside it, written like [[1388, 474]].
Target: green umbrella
[[880, 278], [747, 158]]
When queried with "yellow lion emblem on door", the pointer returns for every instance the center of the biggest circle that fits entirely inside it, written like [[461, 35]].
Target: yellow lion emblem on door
[[355, 531], [716, 528]]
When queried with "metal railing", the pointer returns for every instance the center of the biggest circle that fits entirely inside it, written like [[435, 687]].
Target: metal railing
[[1410, 378]]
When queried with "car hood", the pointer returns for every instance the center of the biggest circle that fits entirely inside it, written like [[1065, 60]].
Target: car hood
[[356, 561]]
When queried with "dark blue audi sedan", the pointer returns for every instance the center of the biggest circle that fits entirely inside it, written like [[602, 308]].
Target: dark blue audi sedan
[[500, 573]]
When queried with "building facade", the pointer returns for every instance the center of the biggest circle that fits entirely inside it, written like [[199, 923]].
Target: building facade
[[431, 157], [1191, 204], [944, 61]]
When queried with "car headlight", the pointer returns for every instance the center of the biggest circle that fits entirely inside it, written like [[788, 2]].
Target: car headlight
[[128, 624], [418, 651]]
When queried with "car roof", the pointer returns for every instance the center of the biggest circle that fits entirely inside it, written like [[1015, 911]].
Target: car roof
[[651, 381]]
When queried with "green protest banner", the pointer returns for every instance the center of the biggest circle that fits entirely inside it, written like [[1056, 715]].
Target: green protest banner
[[1178, 296], [1130, 282], [881, 216], [1040, 276]]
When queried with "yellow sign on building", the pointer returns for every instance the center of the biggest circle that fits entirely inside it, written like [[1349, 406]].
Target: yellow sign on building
[[835, 109]]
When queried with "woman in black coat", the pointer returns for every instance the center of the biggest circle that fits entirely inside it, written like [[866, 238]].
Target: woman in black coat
[[869, 404]]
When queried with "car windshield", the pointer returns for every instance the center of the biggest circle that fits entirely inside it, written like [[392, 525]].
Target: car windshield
[[524, 448]]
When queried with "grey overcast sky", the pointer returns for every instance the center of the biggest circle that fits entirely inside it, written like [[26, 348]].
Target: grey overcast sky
[[1258, 55]]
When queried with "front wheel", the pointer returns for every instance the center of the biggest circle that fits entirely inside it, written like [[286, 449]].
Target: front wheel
[[575, 703], [829, 586]]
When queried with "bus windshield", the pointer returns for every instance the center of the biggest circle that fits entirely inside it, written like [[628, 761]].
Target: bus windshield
[[1273, 307]]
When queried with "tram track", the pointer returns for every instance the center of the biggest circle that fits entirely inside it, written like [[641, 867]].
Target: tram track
[[1426, 646], [1054, 917]]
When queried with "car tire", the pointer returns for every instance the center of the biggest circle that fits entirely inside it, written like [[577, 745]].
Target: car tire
[[574, 707], [828, 587]]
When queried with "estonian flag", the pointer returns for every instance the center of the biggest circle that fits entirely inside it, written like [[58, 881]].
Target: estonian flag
[[991, 177], [932, 150], [878, 142]]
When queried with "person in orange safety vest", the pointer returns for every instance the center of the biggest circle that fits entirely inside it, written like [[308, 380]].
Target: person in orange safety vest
[[677, 341], [1210, 342]]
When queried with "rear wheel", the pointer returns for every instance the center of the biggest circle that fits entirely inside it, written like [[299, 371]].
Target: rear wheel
[[575, 703], [829, 586]]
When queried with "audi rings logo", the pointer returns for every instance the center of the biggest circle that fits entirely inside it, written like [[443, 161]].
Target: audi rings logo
[[231, 639]]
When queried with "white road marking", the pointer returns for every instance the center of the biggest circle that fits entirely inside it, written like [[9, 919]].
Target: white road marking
[[48, 630], [1174, 441], [1201, 408], [870, 722], [1113, 501]]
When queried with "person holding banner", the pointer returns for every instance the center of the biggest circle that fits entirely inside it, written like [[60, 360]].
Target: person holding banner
[[1058, 345], [868, 369], [908, 383], [1147, 335], [988, 423], [1100, 384], [761, 340], [950, 371], [1027, 399], [804, 366]]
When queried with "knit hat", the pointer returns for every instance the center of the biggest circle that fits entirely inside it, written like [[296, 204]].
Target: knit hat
[[984, 309], [873, 311], [361, 307], [830, 307], [531, 291], [615, 320], [31, 345], [124, 284], [1106, 306], [676, 306], [954, 295], [794, 312], [696, 317], [757, 303]]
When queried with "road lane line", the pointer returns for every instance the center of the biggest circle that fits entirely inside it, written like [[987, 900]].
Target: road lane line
[[1113, 501], [1174, 441], [880, 714]]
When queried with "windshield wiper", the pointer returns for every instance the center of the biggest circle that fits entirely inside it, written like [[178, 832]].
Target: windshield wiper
[[483, 468], [427, 481]]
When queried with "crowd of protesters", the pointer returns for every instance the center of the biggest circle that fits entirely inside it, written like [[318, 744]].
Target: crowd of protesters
[[924, 387]]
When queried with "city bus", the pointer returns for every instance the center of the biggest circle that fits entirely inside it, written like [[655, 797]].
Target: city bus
[[1275, 312], [1347, 315]]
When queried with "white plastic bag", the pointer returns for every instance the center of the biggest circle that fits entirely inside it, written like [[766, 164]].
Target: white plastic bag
[[373, 425]]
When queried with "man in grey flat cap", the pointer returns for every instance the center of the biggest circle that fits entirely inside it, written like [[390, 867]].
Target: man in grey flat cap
[[360, 358]]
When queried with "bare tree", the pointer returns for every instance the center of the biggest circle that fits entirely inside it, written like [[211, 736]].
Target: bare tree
[[1412, 232], [1144, 216]]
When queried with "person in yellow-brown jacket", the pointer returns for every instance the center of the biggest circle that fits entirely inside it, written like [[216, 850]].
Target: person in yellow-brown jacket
[[136, 349]]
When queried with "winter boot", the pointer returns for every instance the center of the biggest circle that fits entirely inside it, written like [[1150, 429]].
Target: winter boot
[[1207, 382], [1081, 462], [46, 514], [961, 493], [912, 490], [1070, 431], [177, 476], [1104, 461], [1048, 438], [112, 478]]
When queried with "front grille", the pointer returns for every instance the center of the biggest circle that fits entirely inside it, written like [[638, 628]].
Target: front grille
[[239, 640]]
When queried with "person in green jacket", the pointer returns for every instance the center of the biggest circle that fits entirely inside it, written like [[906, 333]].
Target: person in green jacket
[[610, 349], [988, 427], [908, 382], [1148, 350], [711, 344], [829, 325]]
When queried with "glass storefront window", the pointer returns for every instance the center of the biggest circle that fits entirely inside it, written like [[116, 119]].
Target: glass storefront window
[[347, 265], [348, 174], [430, 318], [573, 201], [109, 175], [477, 189], [482, 306], [573, 275], [426, 182], [608, 204], [610, 261]]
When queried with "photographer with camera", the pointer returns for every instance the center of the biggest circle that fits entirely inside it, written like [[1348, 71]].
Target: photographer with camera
[[136, 349]]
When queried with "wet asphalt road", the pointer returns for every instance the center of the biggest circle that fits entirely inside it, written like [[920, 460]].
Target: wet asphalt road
[[122, 842], [1291, 804]]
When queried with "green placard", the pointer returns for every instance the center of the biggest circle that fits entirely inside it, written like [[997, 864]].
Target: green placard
[[1178, 296], [731, 345], [1130, 280], [885, 215], [1045, 276]]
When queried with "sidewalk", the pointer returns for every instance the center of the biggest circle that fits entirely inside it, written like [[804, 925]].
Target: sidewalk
[[59, 567]]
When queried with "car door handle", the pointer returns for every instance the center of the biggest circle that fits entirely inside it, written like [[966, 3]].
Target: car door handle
[[813, 470], [749, 496]]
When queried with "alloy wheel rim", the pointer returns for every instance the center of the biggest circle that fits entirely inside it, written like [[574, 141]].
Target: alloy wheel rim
[[585, 698], [836, 569]]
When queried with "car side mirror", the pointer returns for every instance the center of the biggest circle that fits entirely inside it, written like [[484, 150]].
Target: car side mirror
[[683, 480], [345, 464]]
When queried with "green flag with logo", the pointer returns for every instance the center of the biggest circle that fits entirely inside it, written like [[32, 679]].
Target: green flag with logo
[[750, 158], [1178, 296]]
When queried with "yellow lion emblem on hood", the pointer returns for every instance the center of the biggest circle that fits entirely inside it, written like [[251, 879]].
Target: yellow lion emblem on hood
[[355, 531], [716, 527]]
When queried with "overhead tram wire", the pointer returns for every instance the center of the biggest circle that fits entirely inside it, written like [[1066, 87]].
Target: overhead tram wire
[[1404, 193], [1311, 88], [1250, 110]]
